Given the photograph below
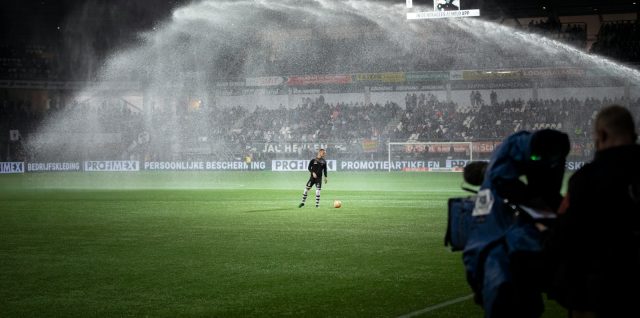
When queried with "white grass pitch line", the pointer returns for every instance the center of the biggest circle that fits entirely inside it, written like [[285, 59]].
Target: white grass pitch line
[[438, 306]]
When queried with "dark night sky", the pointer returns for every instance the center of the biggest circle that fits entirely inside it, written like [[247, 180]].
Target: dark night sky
[[102, 25], [36, 17], [49, 20]]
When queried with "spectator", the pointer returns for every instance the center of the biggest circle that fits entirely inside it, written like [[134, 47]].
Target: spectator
[[596, 242], [494, 98]]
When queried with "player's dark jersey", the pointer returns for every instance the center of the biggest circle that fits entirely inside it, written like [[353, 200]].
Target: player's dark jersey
[[319, 166]]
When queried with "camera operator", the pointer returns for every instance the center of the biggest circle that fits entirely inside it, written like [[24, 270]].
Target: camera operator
[[520, 191]]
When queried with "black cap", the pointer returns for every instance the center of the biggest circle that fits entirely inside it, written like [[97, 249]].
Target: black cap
[[549, 146]]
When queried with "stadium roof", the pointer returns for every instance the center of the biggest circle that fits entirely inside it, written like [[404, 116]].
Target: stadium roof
[[531, 8]]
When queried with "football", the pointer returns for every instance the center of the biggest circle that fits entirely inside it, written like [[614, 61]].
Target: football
[[337, 203]]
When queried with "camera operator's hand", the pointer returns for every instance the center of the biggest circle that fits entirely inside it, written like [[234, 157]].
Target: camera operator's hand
[[541, 227]]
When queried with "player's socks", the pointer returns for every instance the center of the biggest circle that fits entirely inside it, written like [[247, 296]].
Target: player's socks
[[304, 197], [317, 197]]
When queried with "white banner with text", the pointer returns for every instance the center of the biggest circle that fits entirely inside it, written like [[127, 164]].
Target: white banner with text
[[119, 165], [11, 167], [298, 165]]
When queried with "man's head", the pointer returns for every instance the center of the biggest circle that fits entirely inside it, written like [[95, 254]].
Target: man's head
[[614, 127], [321, 153]]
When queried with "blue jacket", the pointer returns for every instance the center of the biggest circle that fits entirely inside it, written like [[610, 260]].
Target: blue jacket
[[497, 233]]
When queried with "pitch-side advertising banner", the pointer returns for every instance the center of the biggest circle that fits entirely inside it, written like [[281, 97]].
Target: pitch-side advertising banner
[[427, 76], [501, 84], [319, 80], [436, 148], [461, 163], [291, 147], [516, 73], [574, 165], [552, 72], [390, 77], [120, 165], [204, 165], [53, 166], [276, 165], [365, 165], [484, 146], [265, 81], [298, 165], [491, 75], [11, 167]]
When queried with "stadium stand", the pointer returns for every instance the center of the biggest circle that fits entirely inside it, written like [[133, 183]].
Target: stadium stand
[[424, 118], [619, 40]]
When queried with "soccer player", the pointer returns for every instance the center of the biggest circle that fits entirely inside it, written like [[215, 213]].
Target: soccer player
[[317, 166]]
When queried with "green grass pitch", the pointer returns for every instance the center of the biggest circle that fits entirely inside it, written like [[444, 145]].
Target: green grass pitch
[[228, 244]]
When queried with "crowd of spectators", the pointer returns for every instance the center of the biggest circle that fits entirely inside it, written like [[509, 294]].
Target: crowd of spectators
[[316, 120], [619, 40], [434, 120], [176, 132], [231, 129], [27, 62], [571, 33], [448, 47]]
